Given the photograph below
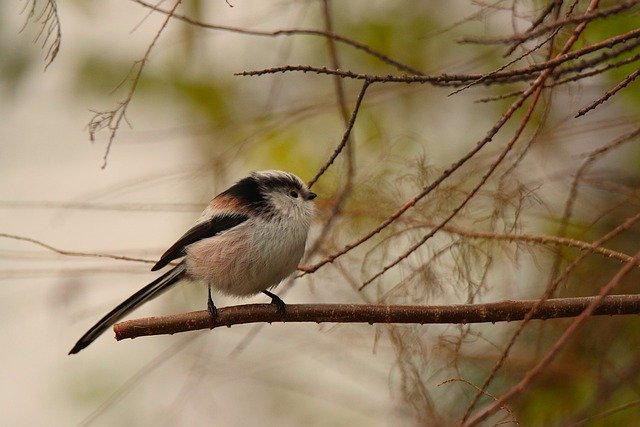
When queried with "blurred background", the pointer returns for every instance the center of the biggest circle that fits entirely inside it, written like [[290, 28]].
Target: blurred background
[[192, 128]]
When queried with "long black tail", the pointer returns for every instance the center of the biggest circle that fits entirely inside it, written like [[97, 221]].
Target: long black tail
[[150, 291]]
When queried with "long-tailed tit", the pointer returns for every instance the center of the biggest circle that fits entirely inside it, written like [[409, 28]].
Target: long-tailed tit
[[248, 239]]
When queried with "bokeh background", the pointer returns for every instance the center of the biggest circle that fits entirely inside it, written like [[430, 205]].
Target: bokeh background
[[193, 128]]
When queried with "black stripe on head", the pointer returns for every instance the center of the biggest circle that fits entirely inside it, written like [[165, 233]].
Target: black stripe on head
[[248, 193]]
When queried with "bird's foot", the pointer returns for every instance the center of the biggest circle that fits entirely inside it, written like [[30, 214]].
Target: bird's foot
[[277, 301], [213, 311]]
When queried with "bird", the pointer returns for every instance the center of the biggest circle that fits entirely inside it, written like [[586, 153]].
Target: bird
[[248, 239]]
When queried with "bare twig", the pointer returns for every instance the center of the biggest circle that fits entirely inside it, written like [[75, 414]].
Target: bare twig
[[557, 347], [551, 6], [448, 172], [550, 289], [545, 297], [347, 143], [530, 34], [578, 76], [503, 67], [454, 80], [290, 32], [74, 253], [504, 311], [113, 118], [345, 136], [50, 28], [475, 189], [573, 191], [631, 77], [609, 412], [542, 240]]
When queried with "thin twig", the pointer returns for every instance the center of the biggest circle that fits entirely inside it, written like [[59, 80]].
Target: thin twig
[[576, 67], [542, 240], [471, 194], [631, 77], [550, 289], [50, 28], [345, 135], [573, 192], [528, 35], [457, 79], [74, 253], [427, 190], [291, 32], [112, 119], [557, 347], [551, 6], [347, 143], [503, 67]]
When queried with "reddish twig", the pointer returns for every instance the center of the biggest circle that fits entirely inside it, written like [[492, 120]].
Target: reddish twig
[[455, 166], [577, 67], [74, 253], [457, 79], [631, 77], [557, 347], [346, 143], [112, 119], [472, 193], [551, 5], [345, 137], [550, 289], [290, 32], [573, 190], [530, 34]]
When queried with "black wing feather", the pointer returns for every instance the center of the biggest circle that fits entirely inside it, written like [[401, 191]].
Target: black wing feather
[[200, 231], [152, 290]]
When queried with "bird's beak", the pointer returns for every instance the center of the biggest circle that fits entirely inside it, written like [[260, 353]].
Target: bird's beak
[[310, 196]]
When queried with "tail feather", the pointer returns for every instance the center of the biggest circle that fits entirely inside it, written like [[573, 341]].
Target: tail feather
[[150, 291]]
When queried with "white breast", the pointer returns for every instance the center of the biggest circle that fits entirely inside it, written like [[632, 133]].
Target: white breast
[[249, 258]]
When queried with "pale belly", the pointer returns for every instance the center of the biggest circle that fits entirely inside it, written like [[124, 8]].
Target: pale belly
[[236, 264]]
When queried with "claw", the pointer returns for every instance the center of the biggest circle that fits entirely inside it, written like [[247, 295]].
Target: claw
[[275, 299], [211, 307]]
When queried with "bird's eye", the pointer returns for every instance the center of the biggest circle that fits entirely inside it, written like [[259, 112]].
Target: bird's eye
[[294, 194]]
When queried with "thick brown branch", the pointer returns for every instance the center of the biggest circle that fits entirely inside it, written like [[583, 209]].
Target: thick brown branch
[[503, 311]]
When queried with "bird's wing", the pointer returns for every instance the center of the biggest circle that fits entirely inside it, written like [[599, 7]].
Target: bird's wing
[[202, 230]]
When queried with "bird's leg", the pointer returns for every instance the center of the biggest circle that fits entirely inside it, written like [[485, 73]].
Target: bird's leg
[[213, 311], [275, 299]]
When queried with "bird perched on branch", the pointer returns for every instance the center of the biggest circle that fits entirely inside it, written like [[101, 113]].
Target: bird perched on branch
[[248, 239]]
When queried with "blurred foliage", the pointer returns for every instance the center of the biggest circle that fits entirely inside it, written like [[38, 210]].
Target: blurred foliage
[[18, 57]]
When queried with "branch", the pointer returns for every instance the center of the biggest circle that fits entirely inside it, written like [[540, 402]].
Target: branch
[[527, 73], [503, 311]]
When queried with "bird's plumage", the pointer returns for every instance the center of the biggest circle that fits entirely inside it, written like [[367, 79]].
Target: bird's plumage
[[248, 239], [150, 291], [202, 230]]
